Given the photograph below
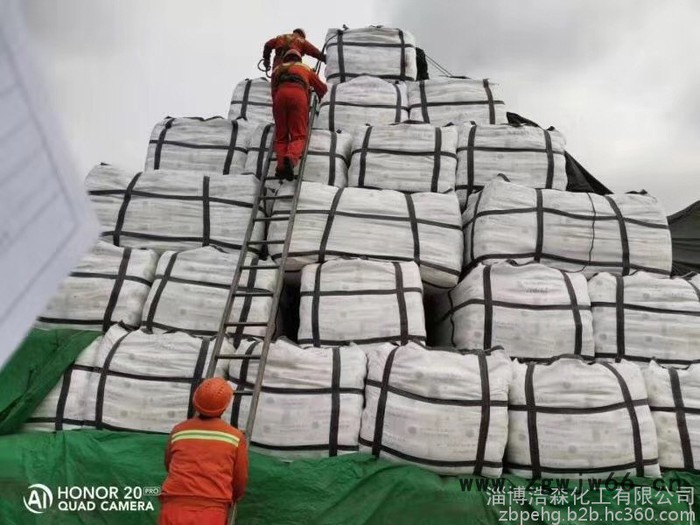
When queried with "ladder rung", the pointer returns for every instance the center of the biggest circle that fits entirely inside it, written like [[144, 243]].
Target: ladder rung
[[246, 393], [260, 267], [238, 356], [246, 323], [277, 197], [269, 219], [266, 242]]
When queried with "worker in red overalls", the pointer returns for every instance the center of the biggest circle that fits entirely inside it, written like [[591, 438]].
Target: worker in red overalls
[[206, 460], [283, 43], [292, 82]]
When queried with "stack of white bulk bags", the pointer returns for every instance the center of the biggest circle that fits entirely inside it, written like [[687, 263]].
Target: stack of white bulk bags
[[327, 159], [531, 310], [252, 100], [361, 301], [311, 398], [190, 291], [64, 407], [404, 157], [364, 101], [172, 210], [674, 398], [216, 144], [642, 317], [455, 100], [376, 224], [526, 155], [575, 419], [383, 52], [445, 411], [109, 285], [577, 232]]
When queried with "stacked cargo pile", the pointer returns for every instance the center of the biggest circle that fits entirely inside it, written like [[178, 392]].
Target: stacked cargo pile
[[427, 215]]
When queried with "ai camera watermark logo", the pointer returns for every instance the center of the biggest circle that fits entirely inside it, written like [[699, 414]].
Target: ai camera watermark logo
[[40, 498]]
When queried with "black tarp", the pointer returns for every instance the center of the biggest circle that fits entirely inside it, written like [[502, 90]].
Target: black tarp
[[685, 236]]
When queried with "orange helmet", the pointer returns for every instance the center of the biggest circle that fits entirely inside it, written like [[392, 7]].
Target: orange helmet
[[212, 397], [292, 53]]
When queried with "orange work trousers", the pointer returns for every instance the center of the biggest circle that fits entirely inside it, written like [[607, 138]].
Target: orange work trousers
[[174, 513], [290, 108]]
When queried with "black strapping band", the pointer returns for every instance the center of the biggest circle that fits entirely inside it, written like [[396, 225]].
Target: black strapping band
[[540, 226], [315, 308], [624, 241], [246, 94], [470, 159], [63, 398], [332, 158], [263, 151], [206, 222], [397, 116], [100, 400], [381, 404], [488, 307], [550, 159], [331, 107], [423, 101], [620, 316], [335, 405], [410, 206], [532, 421], [198, 371], [436, 160], [485, 413], [401, 299], [471, 246], [341, 57], [159, 144], [159, 291], [231, 147], [116, 290], [329, 226], [636, 436], [489, 96], [363, 158], [576, 311], [121, 216], [402, 73], [683, 434]]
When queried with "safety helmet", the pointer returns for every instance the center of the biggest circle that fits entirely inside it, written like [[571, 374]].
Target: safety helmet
[[212, 397], [292, 53], [299, 31]]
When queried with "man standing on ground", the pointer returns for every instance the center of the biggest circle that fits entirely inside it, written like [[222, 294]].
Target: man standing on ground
[[292, 82], [206, 460], [283, 43]]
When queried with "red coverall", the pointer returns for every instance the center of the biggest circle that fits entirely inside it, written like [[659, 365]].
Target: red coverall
[[207, 464], [291, 83], [283, 43]]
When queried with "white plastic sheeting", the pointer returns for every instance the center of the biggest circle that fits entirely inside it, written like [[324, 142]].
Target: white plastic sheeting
[[445, 411], [363, 101], [575, 419], [216, 144], [327, 159], [404, 157], [674, 398], [172, 210], [577, 232], [311, 399], [130, 381], [252, 100], [642, 317], [383, 52], [531, 310], [445, 100], [376, 224], [109, 285], [190, 291], [360, 301], [527, 155]]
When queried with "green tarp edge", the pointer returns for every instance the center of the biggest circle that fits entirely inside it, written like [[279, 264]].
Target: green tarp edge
[[34, 369], [352, 489]]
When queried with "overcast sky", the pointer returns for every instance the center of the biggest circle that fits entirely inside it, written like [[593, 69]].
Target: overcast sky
[[620, 79]]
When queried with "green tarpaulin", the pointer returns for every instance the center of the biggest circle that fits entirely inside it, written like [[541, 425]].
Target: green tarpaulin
[[353, 489], [34, 369]]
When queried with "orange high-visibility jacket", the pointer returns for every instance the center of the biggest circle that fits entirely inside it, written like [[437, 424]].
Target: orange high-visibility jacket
[[297, 72], [206, 459], [283, 43]]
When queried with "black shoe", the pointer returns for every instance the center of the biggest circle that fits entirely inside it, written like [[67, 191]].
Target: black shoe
[[288, 170]]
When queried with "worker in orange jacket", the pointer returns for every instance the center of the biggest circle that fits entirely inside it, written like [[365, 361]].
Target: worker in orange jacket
[[206, 460], [292, 82], [283, 43]]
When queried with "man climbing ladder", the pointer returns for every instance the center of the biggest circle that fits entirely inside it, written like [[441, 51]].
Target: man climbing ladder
[[291, 85]]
